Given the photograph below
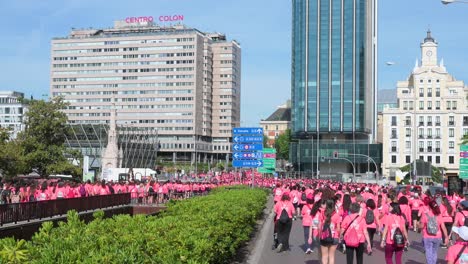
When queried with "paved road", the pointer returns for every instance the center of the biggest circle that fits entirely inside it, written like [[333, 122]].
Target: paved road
[[265, 255]]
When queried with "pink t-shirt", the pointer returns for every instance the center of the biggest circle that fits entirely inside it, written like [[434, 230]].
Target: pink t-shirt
[[460, 218], [359, 224], [278, 193], [335, 225], [393, 221], [416, 204], [446, 217], [306, 218], [425, 220], [279, 206], [316, 220], [453, 252], [406, 210]]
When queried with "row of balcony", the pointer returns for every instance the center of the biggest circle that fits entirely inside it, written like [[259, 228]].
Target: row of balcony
[[428, 149], [437, 94], [429, 108], [449, 123], [394, 136]]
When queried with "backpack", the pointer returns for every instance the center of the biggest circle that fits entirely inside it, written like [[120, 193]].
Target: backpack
[[432, 226], [398, 238], [284, 217], [370, 217], [82, 191], [150, 190], [351, 237], [326, 237], [303, 196]]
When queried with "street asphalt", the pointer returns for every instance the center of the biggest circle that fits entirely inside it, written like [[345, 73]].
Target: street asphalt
[[262, 252]]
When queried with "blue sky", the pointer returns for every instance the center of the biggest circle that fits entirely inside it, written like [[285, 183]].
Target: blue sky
[[263, 27]]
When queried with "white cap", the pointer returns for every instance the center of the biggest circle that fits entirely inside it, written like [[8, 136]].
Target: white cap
[[461, 231]]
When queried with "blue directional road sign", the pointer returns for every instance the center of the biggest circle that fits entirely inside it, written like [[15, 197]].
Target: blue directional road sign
[[247, 147], [248, 139], [247, 155], [247, 131], [247, 163]]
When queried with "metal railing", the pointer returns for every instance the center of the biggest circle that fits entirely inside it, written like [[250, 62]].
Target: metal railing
[[17, 212]]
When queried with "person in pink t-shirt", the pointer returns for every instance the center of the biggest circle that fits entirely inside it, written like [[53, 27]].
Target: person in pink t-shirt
[[415, 205], [277, 192], [432, 238], [329, 229], [458, 253], [307, 221], [392, 222], [374, 225], [317, 216], [462, 214], [447, 213], [283, 228], [358, 223]]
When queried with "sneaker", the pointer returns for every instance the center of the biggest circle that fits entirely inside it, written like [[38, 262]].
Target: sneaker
[[308, 251], [279, 248], [443, 246]]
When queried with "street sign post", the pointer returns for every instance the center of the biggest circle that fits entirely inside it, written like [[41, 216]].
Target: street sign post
[[269, 158], [247, 163], [247, 148], [247, 131], [463, 169]]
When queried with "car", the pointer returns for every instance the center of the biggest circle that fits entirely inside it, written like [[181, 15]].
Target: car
[[435, 189], [412, 188]]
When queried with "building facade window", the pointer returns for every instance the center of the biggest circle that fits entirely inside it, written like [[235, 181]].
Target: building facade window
[[394, 159], [451, 159]]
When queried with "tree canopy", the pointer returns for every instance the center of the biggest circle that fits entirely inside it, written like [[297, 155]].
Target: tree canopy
[[41, 146]]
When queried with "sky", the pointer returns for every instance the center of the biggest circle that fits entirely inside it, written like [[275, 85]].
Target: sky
[[263, 28]]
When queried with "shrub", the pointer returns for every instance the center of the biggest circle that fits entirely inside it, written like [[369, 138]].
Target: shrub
[[207, 229]]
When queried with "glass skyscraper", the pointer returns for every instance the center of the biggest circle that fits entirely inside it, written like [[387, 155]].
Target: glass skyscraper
[[333, 81]]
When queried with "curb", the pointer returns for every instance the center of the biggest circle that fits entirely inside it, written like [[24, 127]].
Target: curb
[[261, 235]]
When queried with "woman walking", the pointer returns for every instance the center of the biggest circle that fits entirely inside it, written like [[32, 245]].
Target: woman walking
[[329, 233], [394, 235], [432, 225], [316, 215], [307, 221], [284, 211], [370, 214], [447, 213], [354, 233]]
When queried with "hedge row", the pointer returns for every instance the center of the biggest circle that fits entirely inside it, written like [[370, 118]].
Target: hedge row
[[206, 229]]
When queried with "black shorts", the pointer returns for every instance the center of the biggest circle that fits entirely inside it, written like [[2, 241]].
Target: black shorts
[[414, 215]]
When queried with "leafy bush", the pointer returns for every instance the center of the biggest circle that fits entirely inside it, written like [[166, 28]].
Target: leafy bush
[[206, 229]]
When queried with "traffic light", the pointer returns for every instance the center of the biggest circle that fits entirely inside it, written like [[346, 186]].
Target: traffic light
[[335, 154]]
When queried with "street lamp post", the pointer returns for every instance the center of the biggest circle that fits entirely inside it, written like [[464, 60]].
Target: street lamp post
[[446, 2]]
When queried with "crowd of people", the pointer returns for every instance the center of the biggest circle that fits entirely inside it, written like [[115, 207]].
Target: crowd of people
[[349, 217], [150, 191]]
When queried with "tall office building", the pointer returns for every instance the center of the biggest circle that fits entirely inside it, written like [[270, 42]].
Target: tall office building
[[429, 120], [178, 80], [12, 112], [334, 47]]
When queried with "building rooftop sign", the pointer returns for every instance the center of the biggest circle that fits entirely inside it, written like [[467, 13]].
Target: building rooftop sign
[[150, 19]]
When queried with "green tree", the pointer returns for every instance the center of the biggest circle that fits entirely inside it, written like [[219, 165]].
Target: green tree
[[464, 140], [44, 137], [436, 173], [282, 145], [265, 141], [11, 159]]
